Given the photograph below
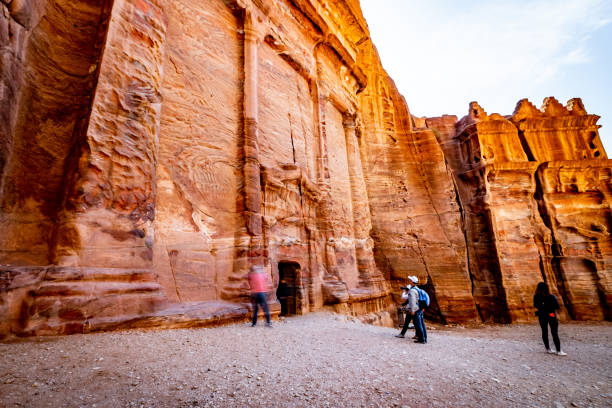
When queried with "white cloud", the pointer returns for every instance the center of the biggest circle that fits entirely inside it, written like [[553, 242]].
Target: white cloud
[[449, 53], [575, 57]]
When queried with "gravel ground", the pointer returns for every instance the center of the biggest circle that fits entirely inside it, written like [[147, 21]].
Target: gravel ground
[[321, 359]]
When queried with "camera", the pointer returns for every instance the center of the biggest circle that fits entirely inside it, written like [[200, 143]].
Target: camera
[[404, 288]]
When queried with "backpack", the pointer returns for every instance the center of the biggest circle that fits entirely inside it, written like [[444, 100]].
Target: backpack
[[423, 298]]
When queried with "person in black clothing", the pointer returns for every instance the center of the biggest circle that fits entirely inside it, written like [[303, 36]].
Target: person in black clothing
[[546, 309], [408, 317], [282, 293]]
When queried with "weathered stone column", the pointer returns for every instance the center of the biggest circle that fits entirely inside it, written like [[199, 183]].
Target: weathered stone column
[[361, 214], [323, 165], [250, 250], [369, 276], [323, 180], [252, 182], [333, 289]]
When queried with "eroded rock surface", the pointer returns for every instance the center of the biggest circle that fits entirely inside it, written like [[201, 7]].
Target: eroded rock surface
[[152, 151], [533, 188]]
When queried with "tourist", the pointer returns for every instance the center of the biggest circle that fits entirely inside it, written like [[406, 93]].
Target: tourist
[[408, 317], [546, 309], [259, 288], [419, 318], [412, 307]]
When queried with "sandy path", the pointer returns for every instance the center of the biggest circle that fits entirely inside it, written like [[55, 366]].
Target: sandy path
[[319, 359]]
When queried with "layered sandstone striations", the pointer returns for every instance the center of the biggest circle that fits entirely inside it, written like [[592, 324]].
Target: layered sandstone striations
[[416, 217], [533, 188], [152, 151], [574, 200], [157, 150]]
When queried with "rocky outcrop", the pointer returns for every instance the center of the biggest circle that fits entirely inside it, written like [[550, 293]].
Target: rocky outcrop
[[574, 200], [533, 195], [152, 151]]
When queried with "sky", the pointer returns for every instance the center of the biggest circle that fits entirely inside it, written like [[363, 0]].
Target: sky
[[443, 54]]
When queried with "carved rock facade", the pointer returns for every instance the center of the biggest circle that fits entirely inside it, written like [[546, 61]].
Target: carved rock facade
[[152, 151]]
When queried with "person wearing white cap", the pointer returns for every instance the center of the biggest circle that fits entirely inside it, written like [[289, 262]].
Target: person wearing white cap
[[418, 318], [411, 304]]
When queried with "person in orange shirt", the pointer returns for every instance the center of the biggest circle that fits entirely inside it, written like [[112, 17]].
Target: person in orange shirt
[[258, 281]]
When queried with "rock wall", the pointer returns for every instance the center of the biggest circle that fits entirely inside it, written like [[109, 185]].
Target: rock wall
[[533, 189], [416, 218], [152, 151]]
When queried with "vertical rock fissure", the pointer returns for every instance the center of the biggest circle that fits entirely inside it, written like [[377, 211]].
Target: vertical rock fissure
[[291, 135], [425, 182], [422, 256], [556, 247], [465, 237], [422, 173], [526, 147], [302, 126], [497, 270], [77, 141], [176, 286]]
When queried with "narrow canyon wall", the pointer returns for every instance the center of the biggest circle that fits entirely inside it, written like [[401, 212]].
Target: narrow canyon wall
[[417, 224], [153, 151]]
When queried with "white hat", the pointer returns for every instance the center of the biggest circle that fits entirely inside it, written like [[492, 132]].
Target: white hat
[[414, 279]]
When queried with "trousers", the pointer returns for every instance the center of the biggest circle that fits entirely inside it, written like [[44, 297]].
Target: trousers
[[419, 325], [407, 320], [260, 299], [553, 322]]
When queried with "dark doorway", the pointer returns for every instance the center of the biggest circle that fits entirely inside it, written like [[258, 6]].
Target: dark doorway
[[288, 284]]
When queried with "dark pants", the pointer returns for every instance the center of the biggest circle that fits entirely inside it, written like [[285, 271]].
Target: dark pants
[[283, 302], [406, 323], [554, 327], [419, 325], [260, 299]]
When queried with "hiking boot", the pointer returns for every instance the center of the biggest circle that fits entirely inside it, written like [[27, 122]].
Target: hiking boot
[[269, 325], [561, 353], [549, 351], [400, 336], [414, 337]]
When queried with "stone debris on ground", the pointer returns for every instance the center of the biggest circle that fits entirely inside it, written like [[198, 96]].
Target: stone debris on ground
[[317, 360]]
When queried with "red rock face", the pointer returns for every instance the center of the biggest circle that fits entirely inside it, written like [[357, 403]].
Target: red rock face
[[153, 151], [533, 200]]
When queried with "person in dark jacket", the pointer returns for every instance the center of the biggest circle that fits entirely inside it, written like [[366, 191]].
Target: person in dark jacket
[[546, 309], [409, 316], [412, 311], [282, 293]]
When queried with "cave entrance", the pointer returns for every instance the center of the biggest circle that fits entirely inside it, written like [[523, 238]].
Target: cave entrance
[[288, 287]]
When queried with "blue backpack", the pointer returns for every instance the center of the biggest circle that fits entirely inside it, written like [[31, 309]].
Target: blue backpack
[[423, 298]]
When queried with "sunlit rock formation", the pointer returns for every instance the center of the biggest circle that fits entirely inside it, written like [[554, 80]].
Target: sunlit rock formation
[[152, 151], [534, 190]]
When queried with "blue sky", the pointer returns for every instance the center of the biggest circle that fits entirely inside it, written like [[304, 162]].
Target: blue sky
[[442, 54]]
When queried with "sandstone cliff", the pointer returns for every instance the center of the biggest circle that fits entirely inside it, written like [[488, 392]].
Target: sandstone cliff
[[533, 188], [152, 151]]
